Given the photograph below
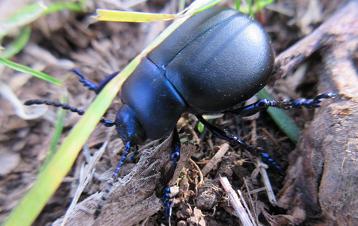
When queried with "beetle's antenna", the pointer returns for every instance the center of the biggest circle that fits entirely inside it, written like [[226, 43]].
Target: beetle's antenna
[[114, 178], [105, 122]]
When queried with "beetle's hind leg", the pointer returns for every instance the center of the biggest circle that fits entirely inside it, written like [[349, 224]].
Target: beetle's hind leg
[[263, 104], [92, 85], [174, 158], [266, 158]]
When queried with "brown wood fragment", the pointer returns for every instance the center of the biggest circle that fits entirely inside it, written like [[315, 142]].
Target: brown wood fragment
[[133, 197], [216, 159], [321, 183]]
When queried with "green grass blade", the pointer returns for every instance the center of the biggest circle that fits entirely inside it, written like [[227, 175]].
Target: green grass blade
[[32, 12], [51, 177], [181, 5], [140, 17], [237, 4], [28, 70], [252, 6], [136, 17], [59, 124], [60, 117], [200, 127], [18, 44], [60, 6], [262, 4], [207, 5], [282, 120], [22, 17]]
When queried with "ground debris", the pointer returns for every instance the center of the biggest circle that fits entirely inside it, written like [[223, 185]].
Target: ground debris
[[321, 179]]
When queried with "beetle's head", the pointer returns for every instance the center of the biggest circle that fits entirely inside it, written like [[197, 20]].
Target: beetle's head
[[128, 126]]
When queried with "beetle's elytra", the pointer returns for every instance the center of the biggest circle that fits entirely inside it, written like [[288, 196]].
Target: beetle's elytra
[[212, 62]]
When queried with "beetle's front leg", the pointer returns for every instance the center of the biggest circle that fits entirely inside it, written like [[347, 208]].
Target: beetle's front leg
[[91, 85], [113, 179], [266, 158], [285, 104]]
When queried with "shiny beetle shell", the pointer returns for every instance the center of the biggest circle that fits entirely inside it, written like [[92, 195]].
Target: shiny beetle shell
[[215, 60]]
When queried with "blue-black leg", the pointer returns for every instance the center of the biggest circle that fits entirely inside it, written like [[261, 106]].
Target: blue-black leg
[[238, 141], [91, 85], [123, 158], [175, 154], [174, 158], [114, 178], [285, 104], [167, 203], [135, 153]]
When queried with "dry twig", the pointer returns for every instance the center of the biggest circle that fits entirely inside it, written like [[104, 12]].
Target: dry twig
[[237, 204], [216, 159]]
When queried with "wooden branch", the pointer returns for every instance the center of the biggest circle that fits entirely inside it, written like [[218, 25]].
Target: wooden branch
[[342, 23]]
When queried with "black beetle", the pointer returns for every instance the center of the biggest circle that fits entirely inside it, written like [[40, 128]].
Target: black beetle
[[216, 60], [212, 62]]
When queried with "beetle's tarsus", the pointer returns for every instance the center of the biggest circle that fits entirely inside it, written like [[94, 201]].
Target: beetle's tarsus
[[263, 104], [97, 213], [167, 203], [266, 158], [85, 82], [107, 122], [174, 158]]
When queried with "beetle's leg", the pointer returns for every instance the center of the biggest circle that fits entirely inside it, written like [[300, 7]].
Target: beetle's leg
[[91, 85], [174, 157], [237, 140], [135, 154], [285, 104], [113, 179], [168, 205], [175, 154]]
